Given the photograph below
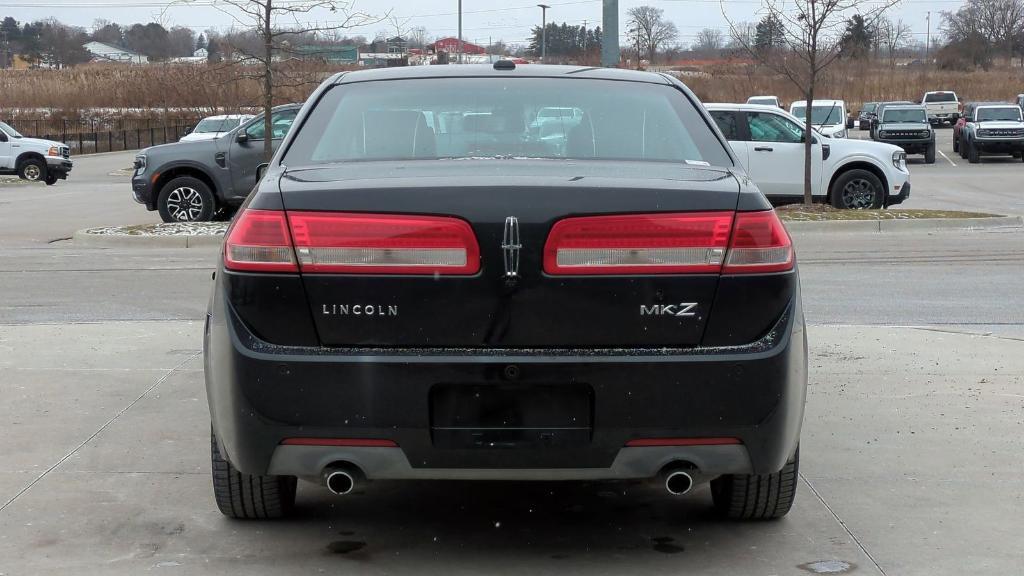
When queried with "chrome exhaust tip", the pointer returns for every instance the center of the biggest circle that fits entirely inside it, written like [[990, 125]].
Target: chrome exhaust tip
[[341, 480], [678, 483]]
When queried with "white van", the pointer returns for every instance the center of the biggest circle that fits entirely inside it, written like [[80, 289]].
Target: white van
[[828, 116]]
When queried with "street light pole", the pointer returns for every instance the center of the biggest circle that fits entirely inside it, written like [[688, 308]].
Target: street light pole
[[543, 31], [459, 60]]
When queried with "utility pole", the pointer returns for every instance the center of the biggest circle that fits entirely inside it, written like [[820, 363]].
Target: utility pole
[[543, 32], [459, 57], [928, 41], [610, 34], [584, 41]]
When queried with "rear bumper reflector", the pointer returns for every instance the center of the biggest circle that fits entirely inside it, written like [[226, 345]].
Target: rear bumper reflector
[[351, 442], [646, 442]]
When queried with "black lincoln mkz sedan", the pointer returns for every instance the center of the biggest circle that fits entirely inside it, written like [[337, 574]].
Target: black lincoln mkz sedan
[[434, 280]]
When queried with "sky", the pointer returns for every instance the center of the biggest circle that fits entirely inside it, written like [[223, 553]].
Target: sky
[[483, 20]]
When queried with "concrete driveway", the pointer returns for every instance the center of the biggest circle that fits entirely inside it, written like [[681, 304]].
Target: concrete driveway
[[910, 458]]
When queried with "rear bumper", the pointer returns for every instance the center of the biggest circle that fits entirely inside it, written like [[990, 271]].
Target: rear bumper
[[262, 394]]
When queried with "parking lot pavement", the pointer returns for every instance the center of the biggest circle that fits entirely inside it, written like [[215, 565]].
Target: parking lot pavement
[[952, 183], [910, 460]]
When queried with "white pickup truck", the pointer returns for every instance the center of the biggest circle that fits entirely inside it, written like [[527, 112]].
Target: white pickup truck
[[33, 159], [942, 106]]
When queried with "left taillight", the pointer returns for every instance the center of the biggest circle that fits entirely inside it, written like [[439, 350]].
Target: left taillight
[[259, 241], [355, 243]]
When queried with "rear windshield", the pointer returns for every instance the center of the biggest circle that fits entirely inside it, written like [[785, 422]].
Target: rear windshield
[[480, 118], [763, 100], [870, 107], [940, 97], [1010, 113], [904, 115], [821, 115], [216, 125]]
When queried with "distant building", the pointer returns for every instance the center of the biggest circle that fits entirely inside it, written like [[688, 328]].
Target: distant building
[[451, 46], [106, 53], [382, 59], [330, 54], [397, 45]]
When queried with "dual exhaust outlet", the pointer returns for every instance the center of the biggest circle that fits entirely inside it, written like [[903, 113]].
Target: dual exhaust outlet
[[342, 478]]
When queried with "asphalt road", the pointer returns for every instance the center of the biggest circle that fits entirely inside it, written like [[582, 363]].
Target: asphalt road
[[911, 444]]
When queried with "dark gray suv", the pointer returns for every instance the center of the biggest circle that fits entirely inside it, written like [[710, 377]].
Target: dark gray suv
[[206, 180]]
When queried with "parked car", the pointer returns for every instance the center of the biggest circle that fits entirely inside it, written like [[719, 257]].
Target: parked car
[[881, 108], [204, 180], [847, 173], [990, 128], [828, 116], [942, 106], [213, 127], [866, 115], [907, 126], [33, 159], [765, 101], [392, 304]]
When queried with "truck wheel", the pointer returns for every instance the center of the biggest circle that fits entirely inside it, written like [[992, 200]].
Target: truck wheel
[[956, 145], [972, 152], [186, 199], [929, 154], [757, 496], [249, 496], [857, 189], [32, 169]]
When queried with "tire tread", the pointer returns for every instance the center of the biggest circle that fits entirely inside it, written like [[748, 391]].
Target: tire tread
[[757, 496], [246, 496]]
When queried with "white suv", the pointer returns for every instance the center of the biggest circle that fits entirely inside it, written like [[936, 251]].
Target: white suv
[[845, 172]]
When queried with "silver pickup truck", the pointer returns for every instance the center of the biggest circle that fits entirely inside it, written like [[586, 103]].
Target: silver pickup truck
[[942, 106]]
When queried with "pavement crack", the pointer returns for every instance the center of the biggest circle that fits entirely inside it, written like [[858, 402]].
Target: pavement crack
[[843, 525], [119, 413]]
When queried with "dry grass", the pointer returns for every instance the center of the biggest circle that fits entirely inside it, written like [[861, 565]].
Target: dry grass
[[824, 212], [98, 92], [857, 83]]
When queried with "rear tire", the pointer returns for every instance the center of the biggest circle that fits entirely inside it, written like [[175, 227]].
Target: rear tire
[[757, 496], [857, 189], [249, 496], [956, 145], [972, 152], [929, 154]]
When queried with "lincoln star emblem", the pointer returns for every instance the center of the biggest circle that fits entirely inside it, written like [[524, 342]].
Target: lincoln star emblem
[[510, 248]]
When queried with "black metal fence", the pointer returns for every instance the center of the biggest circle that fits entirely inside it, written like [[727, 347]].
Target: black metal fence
[[128, 136]]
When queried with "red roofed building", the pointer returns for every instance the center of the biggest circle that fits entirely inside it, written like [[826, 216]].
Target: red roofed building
[[451, 46]]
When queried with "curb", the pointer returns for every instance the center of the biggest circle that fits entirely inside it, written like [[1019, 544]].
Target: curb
[[82, 238], [834, 226]]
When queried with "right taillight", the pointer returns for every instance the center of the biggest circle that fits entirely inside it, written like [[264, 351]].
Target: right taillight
[[760, 243]]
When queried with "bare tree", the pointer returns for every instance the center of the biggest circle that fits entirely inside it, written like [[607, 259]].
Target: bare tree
[[277, 24], [650, 31], [811, 39], [892, 36], [709, 41]]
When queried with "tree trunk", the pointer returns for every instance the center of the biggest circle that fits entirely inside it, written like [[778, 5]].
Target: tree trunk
[[268, 83], [808, 140]]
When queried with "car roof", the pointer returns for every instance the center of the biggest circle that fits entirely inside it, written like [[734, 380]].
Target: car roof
[[741, 106], [765, 97], [994, 104], [489, 71], [817, 102], [905, 107]]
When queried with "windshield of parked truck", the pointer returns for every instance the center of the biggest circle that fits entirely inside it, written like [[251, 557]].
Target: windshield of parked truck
[[940, 97], [10, 130], [870, 107], [821, 115], [482, 118], [763, 100], [1005, 113], [210, 125], [904, 115]]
